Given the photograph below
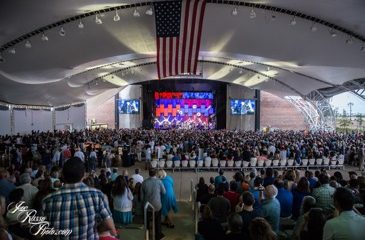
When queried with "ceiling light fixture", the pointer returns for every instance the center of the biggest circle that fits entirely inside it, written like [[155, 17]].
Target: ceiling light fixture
[[252, 14], [28, 44], [116, 16], [234, 11], [80, 25], [62, 32], [240, 72], [293, 22], [313, 27], [12, 50], [136, 13], [333, 33], [98, 20], [149, 11], [44, 37], [349, 40]]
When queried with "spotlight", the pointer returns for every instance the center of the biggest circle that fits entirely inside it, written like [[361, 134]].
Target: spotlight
[[240, 72], [28, 44], [62, 32], [1, 58], [362, 48], [116, 16], [273, 17], [293, 22], [12, 50], [98, 20], [80, 25], [333, 33], [313, 27], [268, 69], [149, 11], [252, 14], [44, 37], [349, 40], [136, 13], [234, 11]]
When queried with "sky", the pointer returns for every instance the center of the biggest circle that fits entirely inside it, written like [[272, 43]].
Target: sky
[[342, 100]]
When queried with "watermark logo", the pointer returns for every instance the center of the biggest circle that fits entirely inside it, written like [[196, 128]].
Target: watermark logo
[[38, 225]]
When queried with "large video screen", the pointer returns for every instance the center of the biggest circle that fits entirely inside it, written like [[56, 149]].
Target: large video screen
[[187, 110], [242, 106], [128, 106]]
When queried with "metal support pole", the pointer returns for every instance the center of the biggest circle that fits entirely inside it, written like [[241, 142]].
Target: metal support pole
[[146, 206]]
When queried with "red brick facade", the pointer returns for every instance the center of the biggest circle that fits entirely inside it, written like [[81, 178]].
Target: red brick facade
[[279, 113]]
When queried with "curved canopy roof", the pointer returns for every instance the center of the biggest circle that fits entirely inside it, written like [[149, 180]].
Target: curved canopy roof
[[288, 48]]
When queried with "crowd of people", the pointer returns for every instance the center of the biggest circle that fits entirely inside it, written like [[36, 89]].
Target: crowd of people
[[68, 177], [288, 205]]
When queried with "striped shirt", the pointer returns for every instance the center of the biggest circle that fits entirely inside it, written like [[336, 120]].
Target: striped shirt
[[76, 207]]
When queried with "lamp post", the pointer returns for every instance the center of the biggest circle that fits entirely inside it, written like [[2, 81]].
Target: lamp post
[[350, 104]]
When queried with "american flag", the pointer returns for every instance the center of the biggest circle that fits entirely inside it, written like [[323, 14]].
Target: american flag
[[178, 28]]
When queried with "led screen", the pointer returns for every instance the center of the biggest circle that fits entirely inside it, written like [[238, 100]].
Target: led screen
[[242, 106], [128, 106], [187, 110]]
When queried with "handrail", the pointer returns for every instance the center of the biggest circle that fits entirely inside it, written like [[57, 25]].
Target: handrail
[[146, 206], [191, 189], [196, 216]]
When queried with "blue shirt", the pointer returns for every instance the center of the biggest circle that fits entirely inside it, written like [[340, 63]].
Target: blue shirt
[[286, 202], [5, 188], [297, 202], [256, 194], [312, 182], [271, 212]]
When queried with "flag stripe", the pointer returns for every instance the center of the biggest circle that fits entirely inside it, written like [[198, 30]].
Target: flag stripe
[[177, 57], [164, 51], [170, 55], [158, 58], [186, 16], [192, 34], [199, 35]]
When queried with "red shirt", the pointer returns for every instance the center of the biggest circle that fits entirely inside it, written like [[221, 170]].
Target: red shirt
[[232, 197]]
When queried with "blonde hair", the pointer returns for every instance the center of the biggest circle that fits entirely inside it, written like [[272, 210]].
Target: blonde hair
[[161, 174]]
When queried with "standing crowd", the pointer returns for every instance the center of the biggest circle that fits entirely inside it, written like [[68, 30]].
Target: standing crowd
[[55, 174]]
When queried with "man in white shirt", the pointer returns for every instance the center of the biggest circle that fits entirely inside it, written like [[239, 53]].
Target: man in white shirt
[[56, 157], [137, 177], [348, 224], [29, 190]]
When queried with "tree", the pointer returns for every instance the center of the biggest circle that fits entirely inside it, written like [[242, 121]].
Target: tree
[[344, 123], [344, 113], [359, 120]]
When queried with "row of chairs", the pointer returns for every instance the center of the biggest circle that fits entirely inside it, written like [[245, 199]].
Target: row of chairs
[[254, 163]]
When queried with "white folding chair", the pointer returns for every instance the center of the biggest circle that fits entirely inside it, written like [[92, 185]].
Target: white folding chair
[[260, 163], [275, 163], [245, 164], [237, 164], [230, 163], [304, 162], [154, 164], [290, 162], [319, 161], [200, 163], [207, 162], [312, 161], [222, 163], [177, 163], [184, 163], [326, 161], [268, 163], [192, 163], [161, 164], [253, 162], [215, 162], [169, 164], [283, 163]]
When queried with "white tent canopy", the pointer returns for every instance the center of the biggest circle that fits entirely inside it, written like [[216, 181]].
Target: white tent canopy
[[265, 52]]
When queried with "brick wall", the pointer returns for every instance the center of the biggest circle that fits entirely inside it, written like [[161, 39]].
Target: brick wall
[[279, 113]]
